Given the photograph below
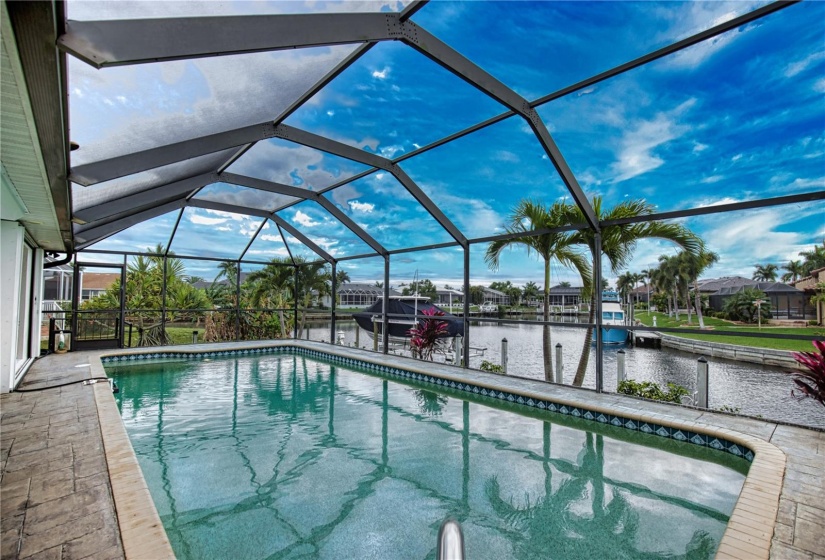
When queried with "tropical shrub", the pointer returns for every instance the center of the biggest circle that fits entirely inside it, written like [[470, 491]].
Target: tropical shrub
[[425, 335], [740, 306], [810, 383], [491, 367], [650, 390]]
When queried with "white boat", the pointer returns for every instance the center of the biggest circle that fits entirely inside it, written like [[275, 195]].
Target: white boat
[[612, 314], [488, 307]]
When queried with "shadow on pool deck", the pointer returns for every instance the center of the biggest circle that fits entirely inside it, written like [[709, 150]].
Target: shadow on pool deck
[[57, 497]]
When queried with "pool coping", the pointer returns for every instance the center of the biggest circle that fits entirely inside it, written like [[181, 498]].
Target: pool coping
[[748, 533]]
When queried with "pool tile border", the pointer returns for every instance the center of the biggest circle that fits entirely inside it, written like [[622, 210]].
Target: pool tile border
[[757, 506], [676, 433]]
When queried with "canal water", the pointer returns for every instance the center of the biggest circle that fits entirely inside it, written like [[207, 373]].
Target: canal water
[[749, 389]]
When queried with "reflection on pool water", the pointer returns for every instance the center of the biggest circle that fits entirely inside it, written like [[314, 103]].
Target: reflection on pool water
[[287, 457]]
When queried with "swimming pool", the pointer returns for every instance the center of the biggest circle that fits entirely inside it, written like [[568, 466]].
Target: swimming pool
[[286, 456]]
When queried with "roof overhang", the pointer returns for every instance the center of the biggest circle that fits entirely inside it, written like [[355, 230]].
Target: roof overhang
[[34, 142]]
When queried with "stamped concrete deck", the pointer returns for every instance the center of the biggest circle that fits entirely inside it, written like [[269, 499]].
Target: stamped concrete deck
[[56, 486], [55, 489]]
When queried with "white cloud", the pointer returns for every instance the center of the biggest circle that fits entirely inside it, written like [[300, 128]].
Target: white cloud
[[800, 66], [304, 219], [698, 147], [806, 184], [819, 85], [206, 221], [381, 74], [505, 155], [586, 91], [696, 17], [636, 154], [712, 179], [390, 151], [737, 157], [364, 207], [331, 113]]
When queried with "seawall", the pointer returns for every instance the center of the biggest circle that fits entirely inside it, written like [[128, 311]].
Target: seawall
[[764, 356]]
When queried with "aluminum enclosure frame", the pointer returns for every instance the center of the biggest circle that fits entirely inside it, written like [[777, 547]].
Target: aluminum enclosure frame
[[135, 41]]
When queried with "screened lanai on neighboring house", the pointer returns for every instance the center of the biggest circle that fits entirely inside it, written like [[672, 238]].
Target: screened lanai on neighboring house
[[388, 141]]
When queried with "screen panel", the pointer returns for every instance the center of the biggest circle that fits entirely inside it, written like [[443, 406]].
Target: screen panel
[[743, 124], [150, 105], [243, 196], [214, 233], [84, 197], [393, 100], [479, 179], [544, 46], [145, 237], [294, 165], [388, 212]]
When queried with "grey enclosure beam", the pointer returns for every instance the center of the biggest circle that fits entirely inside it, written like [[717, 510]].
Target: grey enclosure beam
[[145, 198], [302, 238], [351, 225], [137, 41], [444, 55], [411, 9], [428, 204], [715, 209], [104, 170], [223, 207], [330, 146], [269, 186], [220, 206], [343, 150], [94, 234], [615, 71], [305, 194]]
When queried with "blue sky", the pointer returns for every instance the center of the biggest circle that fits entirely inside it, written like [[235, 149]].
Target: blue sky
[[736, 118]]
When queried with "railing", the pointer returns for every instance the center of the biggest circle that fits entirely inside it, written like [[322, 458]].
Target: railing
[[97, 329], [52, 306], [450, 541]]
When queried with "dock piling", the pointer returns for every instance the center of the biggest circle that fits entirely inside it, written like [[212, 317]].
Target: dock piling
[[702, 383], [559, 365], [620, 367], [504, 355]]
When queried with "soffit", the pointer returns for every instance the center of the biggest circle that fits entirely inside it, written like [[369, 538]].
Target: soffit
[[20, 148]]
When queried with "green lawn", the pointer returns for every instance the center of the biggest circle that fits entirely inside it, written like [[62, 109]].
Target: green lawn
[[662, 320]]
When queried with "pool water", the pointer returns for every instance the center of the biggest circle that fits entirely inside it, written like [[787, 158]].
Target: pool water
[[282, 456]]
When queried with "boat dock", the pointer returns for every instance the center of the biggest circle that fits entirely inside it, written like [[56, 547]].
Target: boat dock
[[646, 339]]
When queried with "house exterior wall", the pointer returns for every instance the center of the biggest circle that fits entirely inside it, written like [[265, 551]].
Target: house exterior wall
[[21, 289], [808, 286]]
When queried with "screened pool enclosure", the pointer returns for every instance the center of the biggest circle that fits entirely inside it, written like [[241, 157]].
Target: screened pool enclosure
[[223, 142]]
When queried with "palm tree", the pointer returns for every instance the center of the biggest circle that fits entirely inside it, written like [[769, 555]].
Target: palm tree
[[814, 259], [529, 216], [531, 291], [695, 265], [796, 269], [646, 281], [342, 277], [765, 272], [624, 284], [668, 281], [618, 242], [663, 281]]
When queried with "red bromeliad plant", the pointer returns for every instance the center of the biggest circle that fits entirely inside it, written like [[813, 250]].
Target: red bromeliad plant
[[426, 333], [811, 383]]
